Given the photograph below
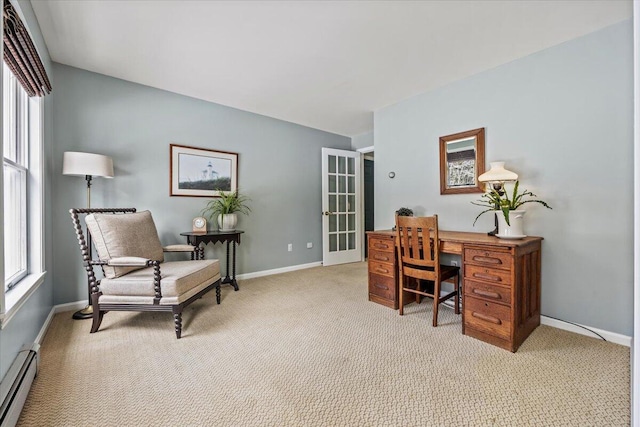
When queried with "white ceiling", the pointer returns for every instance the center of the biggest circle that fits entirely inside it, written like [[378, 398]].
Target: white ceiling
[[323, 64]]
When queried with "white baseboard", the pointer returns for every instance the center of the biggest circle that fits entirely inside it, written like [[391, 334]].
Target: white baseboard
[[70, 306], [60, 308], [45, 326], [278, 270], [609, 336]]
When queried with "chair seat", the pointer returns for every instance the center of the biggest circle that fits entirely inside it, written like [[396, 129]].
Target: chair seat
[[448, 271], [180, 281]]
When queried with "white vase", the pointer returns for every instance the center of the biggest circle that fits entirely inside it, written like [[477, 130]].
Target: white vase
[[514, 230], [227, 222]]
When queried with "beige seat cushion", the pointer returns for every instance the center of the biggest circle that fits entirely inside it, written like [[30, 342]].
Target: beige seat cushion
[[180, 280], [124, 235]]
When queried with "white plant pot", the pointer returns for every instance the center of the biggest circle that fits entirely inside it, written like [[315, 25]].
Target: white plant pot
[[227, 222], [514, 230]]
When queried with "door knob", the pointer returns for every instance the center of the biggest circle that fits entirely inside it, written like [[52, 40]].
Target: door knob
[[328, 213]]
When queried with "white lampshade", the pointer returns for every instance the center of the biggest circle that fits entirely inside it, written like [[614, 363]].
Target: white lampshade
[[498, 173], [83, 164]]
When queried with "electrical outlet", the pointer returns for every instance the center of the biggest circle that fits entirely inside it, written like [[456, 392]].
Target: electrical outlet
[[454, 263], [290, 247], [309, 245]]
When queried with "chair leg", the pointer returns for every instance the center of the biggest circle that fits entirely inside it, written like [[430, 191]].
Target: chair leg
[[177, 319], [218, 293], [457, 297], [401, 296], [436, 301], [97, 313]]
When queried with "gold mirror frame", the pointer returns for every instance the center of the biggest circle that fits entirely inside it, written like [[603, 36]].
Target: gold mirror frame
[[477, 135]]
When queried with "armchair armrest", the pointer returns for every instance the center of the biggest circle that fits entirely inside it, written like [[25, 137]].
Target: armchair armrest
[[179, 248], [129, 261]]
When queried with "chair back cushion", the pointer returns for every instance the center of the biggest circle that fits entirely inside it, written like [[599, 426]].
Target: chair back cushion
[[124, 235]]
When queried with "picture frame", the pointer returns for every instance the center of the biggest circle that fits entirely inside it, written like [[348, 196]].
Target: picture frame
[[201, 172], [462, 162]]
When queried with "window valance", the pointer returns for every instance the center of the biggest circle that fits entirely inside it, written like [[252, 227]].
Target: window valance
[[21, 55]]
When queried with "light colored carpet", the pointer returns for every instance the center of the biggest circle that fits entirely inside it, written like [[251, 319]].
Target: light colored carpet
[[306, 348]]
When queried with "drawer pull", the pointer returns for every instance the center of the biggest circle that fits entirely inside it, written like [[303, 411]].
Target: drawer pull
[[386, 288], [487, 260], [382, 270], [486, 276], [487, 318], [381, 246], [381, 258], [487, 294]]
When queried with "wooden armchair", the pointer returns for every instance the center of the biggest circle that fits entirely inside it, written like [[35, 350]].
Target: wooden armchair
[[136, 278]]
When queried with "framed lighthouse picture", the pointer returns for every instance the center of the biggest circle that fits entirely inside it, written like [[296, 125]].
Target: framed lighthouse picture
[[201, 172]]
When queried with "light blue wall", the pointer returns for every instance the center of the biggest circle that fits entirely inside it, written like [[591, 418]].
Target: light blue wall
[[563, 120], [361, 141], [26, 324], [279, 169]]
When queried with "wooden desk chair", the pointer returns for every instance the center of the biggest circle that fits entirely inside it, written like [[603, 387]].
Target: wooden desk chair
[[419, 258]]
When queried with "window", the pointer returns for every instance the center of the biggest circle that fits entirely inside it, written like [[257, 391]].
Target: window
[[23, 196], [24, 82], [16, 173]]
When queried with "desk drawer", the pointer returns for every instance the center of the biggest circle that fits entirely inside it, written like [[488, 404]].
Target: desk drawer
[[488, 258], [486, 291], [490, 275], [487, 317], [381, 268], [451, 248], [379, 256], [382, 286], [382, 244]]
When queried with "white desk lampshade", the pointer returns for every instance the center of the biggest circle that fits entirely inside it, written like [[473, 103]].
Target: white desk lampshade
[[498, 173], [87, 165]]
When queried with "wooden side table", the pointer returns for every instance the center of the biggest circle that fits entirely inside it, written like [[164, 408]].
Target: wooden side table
[[230, 237]]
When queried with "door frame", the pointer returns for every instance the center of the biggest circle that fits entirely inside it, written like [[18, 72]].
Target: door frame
[[363, 151]]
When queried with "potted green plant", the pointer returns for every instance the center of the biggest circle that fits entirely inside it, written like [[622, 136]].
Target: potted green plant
[[510, 222], [403, 212], [224, 209]]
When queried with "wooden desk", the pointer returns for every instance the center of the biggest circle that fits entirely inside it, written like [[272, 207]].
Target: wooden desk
[[501, 282], [230, 237]]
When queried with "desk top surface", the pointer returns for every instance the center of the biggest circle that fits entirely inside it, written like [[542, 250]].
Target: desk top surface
[[469, 237], [212, 233]]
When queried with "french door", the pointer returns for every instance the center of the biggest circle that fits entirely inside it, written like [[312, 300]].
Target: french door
[[341, 209]]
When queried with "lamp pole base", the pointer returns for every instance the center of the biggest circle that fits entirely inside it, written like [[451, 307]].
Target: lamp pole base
[[85, 313], [495, 230]]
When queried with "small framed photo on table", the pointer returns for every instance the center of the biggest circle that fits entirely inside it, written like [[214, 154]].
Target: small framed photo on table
[[201, 172]]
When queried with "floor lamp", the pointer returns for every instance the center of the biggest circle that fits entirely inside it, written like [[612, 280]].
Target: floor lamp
[[496, 177], [87, 165]]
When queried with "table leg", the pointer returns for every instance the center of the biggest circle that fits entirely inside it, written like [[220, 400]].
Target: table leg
[[233, 272], [231, 279]]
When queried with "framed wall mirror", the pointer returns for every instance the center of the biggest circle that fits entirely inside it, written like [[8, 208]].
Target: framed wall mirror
[[461, 162]]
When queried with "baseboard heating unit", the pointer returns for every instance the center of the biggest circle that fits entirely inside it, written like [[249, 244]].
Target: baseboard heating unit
[[15, 385]]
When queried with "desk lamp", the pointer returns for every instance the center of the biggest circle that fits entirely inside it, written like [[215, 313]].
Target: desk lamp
[[87, 165], [497, 176]]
